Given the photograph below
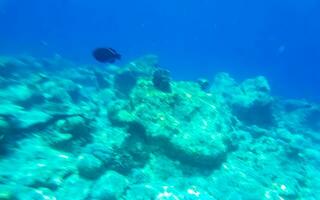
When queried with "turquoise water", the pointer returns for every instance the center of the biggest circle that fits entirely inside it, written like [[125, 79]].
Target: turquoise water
[[210, 101]]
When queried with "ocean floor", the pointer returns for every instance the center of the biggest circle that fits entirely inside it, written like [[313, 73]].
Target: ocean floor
[[79, 132]]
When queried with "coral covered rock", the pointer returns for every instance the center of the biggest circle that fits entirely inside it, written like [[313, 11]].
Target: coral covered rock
[[161, 80], [76, 126], [140, 136], [250, 101], [89, 166], [144, 66], [69, 133], [188, 123], [110, 186], [124, 82]]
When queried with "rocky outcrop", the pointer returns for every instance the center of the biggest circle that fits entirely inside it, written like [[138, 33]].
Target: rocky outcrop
[[250, 101]]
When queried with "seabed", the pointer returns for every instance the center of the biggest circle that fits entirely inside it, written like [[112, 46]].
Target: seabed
[[86, 132]]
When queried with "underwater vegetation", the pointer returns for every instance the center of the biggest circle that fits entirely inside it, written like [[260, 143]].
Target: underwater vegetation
[[81, 132]]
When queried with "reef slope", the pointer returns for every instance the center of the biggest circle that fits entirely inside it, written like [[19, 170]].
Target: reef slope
[[80, 132]]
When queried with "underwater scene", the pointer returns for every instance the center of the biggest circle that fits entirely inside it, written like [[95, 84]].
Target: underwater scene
[[168, 100]]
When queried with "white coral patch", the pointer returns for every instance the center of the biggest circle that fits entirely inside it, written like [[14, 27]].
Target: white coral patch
[[63, 156], [41, 165], [166, 195], [283, 187], [192, 191], [188, 95]]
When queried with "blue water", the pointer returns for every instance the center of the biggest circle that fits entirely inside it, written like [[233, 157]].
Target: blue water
[[278, 39], [87, 133]]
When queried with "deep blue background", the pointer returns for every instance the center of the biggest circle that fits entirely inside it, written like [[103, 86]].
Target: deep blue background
[[194, 38]]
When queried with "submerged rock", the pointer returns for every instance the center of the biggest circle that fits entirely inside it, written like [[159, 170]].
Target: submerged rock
[[110, 186], [142, 192], [89, 166], [298, 116], [77, 126], [250, 101], [161, 80], [74, 187], [69, 133], [124, 82], [313, 119], [101, 80], [150, 137], [101, 151], [18, 66], [188, 123], [204, 84], [144, 66]]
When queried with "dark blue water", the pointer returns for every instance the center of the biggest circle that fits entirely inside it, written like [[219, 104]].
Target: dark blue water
[[278, 39]]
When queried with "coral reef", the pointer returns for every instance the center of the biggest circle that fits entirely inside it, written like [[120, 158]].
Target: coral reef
[[161, 80], [78, 132]]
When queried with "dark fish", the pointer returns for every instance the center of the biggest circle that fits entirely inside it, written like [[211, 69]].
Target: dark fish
[[106, 55]]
